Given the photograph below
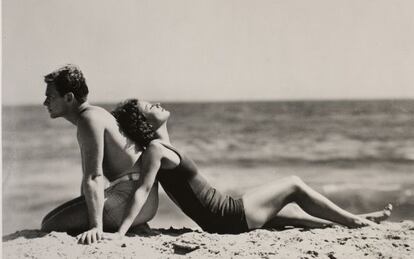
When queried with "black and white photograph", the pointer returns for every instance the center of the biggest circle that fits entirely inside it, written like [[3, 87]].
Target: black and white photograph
[[207, 129]]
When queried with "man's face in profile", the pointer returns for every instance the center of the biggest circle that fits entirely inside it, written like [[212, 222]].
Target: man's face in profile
[[54, 103]]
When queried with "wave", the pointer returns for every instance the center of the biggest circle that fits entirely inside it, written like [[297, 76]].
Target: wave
[[288, 161]]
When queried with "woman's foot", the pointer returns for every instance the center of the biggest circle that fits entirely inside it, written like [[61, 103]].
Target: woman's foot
[[371, 219], [362, 222], [378, 216]]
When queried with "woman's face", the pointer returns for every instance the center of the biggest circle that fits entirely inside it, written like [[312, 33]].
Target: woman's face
[[154, 113]]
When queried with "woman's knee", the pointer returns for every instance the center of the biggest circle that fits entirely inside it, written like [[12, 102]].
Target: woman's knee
[[295, 182], [296, 186]]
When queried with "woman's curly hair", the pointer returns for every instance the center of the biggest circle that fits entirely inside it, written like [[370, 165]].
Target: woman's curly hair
[[133, 123]]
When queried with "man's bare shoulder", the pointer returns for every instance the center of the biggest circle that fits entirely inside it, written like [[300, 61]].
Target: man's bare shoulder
[[96, 115], [94, 120]]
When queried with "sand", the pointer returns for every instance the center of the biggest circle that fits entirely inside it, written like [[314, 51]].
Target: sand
[[390, 240]]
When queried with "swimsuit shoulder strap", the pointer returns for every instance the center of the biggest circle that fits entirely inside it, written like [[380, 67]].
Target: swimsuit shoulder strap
[[170, 147]]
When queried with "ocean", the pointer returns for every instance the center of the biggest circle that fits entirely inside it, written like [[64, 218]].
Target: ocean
[[358, 153]]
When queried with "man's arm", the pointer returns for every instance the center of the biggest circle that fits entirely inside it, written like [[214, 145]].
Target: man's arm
[[151, 163], [91, 143]]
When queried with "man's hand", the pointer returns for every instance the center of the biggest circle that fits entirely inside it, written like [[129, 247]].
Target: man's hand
[[91, 236]]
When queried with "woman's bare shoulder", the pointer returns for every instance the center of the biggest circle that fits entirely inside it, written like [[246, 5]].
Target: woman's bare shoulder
[[169, 158]]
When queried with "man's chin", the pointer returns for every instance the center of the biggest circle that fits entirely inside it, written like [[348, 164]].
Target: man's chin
[[53, 116]]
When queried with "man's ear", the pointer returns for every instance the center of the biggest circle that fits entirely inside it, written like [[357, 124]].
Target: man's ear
[[69, 97]]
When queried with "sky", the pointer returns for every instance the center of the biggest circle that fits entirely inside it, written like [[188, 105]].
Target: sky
[[216, 50]]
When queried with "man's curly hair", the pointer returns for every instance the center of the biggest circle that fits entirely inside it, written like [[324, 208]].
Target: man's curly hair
[[133, 123], [69, 78]]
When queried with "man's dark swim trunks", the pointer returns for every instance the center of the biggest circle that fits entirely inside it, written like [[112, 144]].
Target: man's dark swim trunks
[[211, 210], [117, 199]]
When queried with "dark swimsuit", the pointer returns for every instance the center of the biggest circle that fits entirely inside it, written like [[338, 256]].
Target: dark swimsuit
[[211, 210]]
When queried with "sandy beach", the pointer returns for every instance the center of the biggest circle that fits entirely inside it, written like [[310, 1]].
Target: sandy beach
[[390, 240]]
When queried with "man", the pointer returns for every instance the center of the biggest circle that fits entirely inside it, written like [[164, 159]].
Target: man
[[105, 152]]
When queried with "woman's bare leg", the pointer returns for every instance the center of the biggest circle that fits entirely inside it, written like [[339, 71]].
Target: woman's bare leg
[[293, 215], [265, 202]]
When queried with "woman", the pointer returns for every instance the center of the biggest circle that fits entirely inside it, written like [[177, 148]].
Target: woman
[[285, 202]]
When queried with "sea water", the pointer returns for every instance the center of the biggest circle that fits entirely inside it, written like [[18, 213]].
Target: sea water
[[342, 147]]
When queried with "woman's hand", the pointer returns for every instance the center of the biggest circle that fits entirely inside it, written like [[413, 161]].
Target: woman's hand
[[112, 236]]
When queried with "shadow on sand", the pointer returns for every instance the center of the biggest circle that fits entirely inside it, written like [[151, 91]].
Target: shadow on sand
[[139, 231], [27, 233]]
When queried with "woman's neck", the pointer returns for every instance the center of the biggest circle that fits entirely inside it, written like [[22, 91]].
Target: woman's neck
[[162, 134]]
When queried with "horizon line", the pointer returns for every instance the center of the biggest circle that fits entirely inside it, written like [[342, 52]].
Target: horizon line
[[201, 101]]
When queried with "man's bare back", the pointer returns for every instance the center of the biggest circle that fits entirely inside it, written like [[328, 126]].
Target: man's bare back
[[119, 155]]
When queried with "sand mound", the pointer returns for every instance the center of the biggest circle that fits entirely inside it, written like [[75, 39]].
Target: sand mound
[[391, 240]]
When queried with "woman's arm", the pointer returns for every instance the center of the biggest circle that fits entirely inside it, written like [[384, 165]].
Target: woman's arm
[[150, 164]]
